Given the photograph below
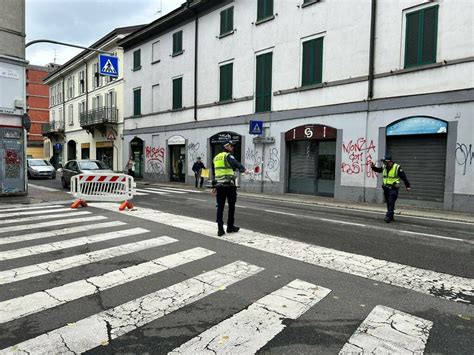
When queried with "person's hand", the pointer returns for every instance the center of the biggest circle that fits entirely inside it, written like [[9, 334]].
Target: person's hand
[[408, 189], [214, 192], [372, 164]]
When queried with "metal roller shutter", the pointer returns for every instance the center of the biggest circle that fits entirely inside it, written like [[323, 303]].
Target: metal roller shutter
[[302, 174], [423, 158]]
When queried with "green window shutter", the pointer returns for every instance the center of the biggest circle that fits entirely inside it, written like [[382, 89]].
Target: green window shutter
[[177, 42], [312, 62], [177, 93], [430, 35], [227, 20], [225, 90], [264, 9], [137, 105], [412, 38], [136, 59], [318, 56], [264, 82], [307, 63]]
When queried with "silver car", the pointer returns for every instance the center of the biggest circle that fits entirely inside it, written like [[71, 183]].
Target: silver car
[[75, 167], [38, 168]]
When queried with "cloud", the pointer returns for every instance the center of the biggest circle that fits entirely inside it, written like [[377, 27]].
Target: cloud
[[83, 22]]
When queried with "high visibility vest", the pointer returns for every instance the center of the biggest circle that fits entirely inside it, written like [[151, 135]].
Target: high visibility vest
[[222, 168], [391, 177]]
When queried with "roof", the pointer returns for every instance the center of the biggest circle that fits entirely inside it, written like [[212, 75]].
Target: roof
[[101, 41]]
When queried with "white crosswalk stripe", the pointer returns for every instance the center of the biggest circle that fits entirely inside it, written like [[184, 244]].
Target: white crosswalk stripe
[[49, 216], [29, 208], [10, 214], [140, 193], [50, 223], [182, 190], [166, 191], [153, 192]]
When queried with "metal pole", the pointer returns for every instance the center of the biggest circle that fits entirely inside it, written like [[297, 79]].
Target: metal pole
[[66, 44]]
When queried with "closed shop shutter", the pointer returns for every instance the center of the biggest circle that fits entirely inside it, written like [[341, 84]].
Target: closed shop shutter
[[302, 174], [423, 158]]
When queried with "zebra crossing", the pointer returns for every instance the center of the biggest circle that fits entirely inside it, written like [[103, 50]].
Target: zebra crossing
[[163, 191], [245, 332]]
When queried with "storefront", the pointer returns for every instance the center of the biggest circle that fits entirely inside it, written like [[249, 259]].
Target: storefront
[[219, 139], [105, 153], [312, 160], [85, 150], [177, 154], [418, 144], [136, 151], [12, 178], [71, 150]]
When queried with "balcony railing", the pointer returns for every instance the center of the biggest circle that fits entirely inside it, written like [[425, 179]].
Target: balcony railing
[[99, 116], [53, 127]]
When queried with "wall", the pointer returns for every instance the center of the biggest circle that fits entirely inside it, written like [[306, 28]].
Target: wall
[[12, 16]]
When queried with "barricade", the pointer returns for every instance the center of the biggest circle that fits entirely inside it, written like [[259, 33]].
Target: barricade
[[103, 187]]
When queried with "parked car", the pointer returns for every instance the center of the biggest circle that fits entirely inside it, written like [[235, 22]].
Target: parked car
[[75, 167], [38, 168]]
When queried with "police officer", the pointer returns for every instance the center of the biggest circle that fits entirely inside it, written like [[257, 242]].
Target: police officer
[[224, 186], [392, 173]]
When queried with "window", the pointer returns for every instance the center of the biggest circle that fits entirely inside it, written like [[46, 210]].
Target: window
[[227, 20], [178, 43], [136, 60], [264, 83], [137, 102], [421, 37], [225, 92], [312, 62], [177, 93], [60, 115], [155, 98], [155, 55], [80, 109], [96, 76], [81, 82], [52, 90], [70, 115], [264, 9]]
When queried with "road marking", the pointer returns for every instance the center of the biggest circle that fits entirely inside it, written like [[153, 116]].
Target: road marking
[[340, 222], [279, 212], [182, 190], [249, 330], [46, 248], [388, 331], [26, 213], [50, 223], [39, 301], [430, 282], [26, 272], [39, 187], [196, 199], [165, 191], [140, 194], [50, 216], [34, 207], [102, 327], [58, 232], [437, 236], [153, 192]]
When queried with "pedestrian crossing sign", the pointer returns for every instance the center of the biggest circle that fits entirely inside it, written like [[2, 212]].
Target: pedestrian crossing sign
[[256, 127], [108, 65]]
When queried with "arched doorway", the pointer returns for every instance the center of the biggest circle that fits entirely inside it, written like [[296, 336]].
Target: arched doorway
[[418, 144], [136, 151], [177, 156], [71, 150], [220, 138], [312, 160]]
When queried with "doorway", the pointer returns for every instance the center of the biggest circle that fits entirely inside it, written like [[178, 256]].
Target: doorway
[[136, 151]]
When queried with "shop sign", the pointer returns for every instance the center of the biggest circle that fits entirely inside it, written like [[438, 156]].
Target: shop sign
[[417, 125], [176, 140], [111, 136], [311, 132], [222, 137], [58, 146]]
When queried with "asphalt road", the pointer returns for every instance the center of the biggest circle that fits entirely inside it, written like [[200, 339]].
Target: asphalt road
[[360, 266]]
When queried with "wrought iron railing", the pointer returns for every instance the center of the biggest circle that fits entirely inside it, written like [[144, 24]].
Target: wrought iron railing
[[99, 116], [53, 127]]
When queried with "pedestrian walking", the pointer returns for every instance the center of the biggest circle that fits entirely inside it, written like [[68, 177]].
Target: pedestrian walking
[[224, 187], [131, 167], [197, 168], [392, 174]]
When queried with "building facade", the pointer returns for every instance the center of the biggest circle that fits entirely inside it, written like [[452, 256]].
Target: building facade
[[37, 108], [13, 118], [350, 83], [86, 109]]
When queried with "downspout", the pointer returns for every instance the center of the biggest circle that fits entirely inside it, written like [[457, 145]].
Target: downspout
[[196, 28], [64, 119]]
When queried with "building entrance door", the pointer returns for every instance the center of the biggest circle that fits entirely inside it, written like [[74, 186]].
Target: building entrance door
[[136, 149]]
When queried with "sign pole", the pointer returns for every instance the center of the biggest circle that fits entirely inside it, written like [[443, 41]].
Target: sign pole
[[263, 160]]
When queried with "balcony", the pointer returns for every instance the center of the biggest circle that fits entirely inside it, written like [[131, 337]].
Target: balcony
[[98, 117], [53, 129]]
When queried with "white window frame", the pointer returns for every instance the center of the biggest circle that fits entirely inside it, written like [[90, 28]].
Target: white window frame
[[155, 52], [70, 114]]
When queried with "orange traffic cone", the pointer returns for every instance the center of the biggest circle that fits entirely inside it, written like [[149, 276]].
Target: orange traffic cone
[[126, 204], [79, 203]]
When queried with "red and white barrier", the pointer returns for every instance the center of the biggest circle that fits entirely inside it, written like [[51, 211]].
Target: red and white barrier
[[103, 187]]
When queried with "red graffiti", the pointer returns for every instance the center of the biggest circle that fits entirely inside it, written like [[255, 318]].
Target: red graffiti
[[155, 153], [12, 157], [359, 154]]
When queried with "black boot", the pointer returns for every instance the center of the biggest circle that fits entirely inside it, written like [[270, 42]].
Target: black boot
[[232, 229], [220, 230]]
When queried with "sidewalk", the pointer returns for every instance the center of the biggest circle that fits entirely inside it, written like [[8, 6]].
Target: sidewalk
[[402, 210], [35, 196]]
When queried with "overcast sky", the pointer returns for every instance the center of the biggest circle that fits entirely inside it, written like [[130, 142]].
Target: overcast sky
[[83, 22]]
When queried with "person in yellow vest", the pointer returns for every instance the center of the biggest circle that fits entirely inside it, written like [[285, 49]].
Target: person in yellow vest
[[392, 174], [224, 187]]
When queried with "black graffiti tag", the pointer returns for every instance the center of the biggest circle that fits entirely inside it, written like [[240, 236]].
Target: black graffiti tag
[[464, 155]]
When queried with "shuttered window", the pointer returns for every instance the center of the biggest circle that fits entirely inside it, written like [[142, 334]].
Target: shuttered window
[[312, 62], [225, 92], [264, 83], [227, 20], [264, 9], [421, 37], [177, 93], [177, 42], [137, 102], [137, 60]]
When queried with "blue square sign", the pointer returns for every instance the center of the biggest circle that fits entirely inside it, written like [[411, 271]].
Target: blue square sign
[[256, 127], [108, 65]]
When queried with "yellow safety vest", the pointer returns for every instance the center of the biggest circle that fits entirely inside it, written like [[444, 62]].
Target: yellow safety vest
[[391, 177], [222, 168]]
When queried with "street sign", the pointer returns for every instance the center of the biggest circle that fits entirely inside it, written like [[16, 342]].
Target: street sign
[[108, 65], [264, 140], [256, 127]]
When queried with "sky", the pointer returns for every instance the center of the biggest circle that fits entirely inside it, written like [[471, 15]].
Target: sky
[[83, 22]]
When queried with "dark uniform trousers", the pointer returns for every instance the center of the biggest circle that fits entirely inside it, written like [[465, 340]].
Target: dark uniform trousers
[[391, 195], [224, 192]]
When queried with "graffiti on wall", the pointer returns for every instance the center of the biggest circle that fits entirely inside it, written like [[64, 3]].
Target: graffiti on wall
[[12, 164], [194, 151], [357, 157], [253, 164], [155, 160], [464, 156], [273, 163]]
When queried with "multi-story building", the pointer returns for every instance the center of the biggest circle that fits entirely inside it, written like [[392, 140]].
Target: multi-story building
[[337, 85], [86, 109], [37, 108], [13, 117]]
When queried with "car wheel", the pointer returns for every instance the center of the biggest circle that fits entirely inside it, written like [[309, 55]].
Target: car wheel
[[53, 177], [65, 185]]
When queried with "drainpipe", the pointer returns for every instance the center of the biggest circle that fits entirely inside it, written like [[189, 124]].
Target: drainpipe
[[196, 28], [64, 119], [86, 86]]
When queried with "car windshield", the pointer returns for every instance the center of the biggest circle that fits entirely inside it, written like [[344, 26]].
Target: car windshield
[[37, 162], [47, 163], [92, 165]]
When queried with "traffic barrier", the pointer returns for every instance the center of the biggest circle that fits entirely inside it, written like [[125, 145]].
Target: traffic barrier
[[103, 187]]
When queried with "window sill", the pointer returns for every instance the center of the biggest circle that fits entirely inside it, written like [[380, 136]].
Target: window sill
[[309, 3], [178, 109], [177, 53], [137, 68], [225, 34], [265, 19], [156, 61], [136, 116]]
